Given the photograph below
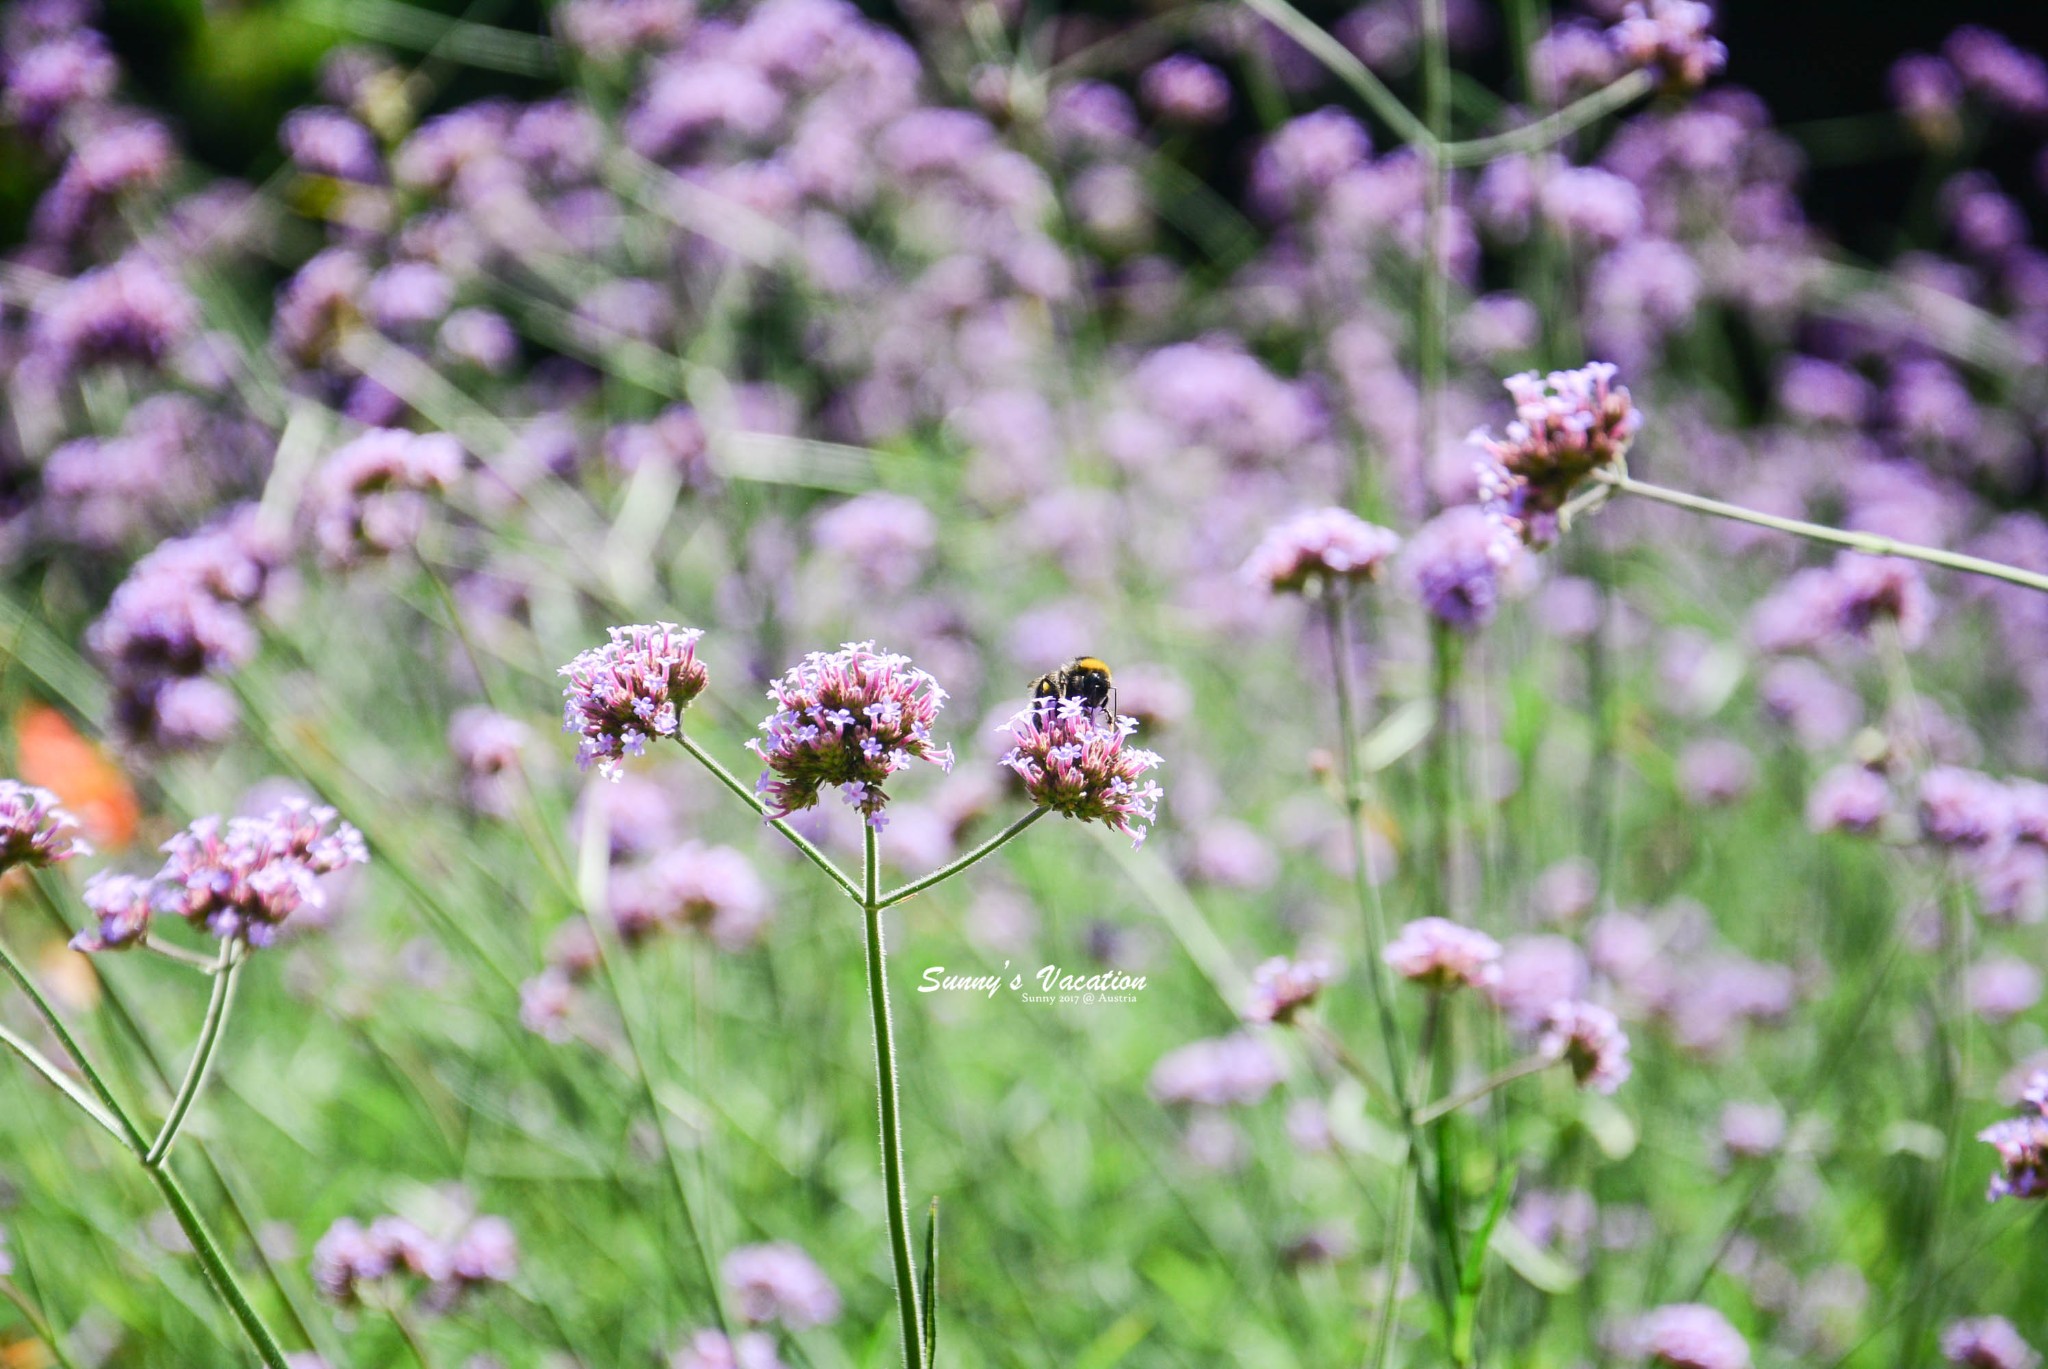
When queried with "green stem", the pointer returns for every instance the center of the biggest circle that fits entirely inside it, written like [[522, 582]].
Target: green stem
[[1869, 543], [1347, 68], [1444, 1107], [217, 1271], [225, 972], [907, 1308], [1552, 128], [753, 801], [946, 872]]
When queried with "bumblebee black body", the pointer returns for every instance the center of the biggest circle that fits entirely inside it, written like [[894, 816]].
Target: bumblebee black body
[[1085, 678]]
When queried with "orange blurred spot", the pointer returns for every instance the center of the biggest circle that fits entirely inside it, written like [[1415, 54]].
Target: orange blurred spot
[[25, 1354], [69, 977], [51, 753]]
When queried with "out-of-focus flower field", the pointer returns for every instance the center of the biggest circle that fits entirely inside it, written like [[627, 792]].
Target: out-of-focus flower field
[[505, 615]]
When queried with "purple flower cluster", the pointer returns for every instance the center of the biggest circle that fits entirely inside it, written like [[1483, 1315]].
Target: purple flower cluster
[[630, 690], [1323, 548], [1440, 954], [1079, 763], [714, 1349], [393, 1252], [1987, 1343], [1850, 599], [850, 718], [713, 890], [1567, 425], [370, 498], [1456, 563], [1282, 987], [238, 879], [1671, 35], [181, 619], [1588, 1038], [2022, 1145], [778, 1282], [1690, 1336], [34, 830]]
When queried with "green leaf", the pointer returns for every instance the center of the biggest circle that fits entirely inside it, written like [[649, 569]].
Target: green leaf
[[1537, 1267]]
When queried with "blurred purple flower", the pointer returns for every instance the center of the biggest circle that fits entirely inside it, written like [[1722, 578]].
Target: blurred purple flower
[[121, 906], [1185, 90], [1691, 1336], [1536, 974], [1303, 158], [1438, 953], [327, 142], [633, 688], [1820, 711], [1587, 1037], [712, 1349], [779, 1282], [1670, 35], [34, 830], [1848, 798], [850, 718], [2022, 1146], [1225, 1071], [1455, 562], [1986, 1343], [133, 310], [1752, 1130], [2000, 988], [1324, 546], [2004, 77], [1282, 987], [369, 497], [887, 538], [1715, 772], [1963, 808]]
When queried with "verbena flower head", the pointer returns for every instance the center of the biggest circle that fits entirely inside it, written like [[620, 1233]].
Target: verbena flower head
[[1455, 561], [852, 718], [634, 687], [1567, 425], [34, 831], [1589, 1038], [1078, 762], [122, 905], [1692, 1336], [370, 498], [1848, 798], [1987, 1343], [1963, 808], [2022, 1146], [244, 877], [1441, 954], [1322, 546], [779, 1282], [1283, 987], [1874, 589], [1672, 36]]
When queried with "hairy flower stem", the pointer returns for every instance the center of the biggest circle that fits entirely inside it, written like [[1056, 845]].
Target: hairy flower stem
[[225, 971], [1620, 481], [907, 1301], [753, 801], [946, 872]]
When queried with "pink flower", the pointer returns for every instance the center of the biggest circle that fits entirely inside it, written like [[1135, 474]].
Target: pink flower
[[1440, 954]]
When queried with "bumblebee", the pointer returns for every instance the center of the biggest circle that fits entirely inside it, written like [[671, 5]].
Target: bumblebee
[[1085, 678]]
